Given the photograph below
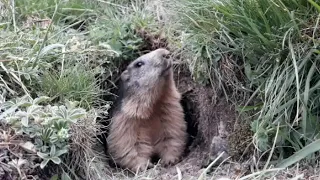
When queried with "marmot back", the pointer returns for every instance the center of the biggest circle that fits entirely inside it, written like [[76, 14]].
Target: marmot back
[[150, 118]]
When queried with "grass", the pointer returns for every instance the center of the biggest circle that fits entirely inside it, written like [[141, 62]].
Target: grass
[[274, 44], [262, 55]]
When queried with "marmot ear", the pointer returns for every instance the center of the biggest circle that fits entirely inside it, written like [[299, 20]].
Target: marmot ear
[[125, 76]]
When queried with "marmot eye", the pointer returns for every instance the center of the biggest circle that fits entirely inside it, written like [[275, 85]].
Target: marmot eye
[[139, 64]]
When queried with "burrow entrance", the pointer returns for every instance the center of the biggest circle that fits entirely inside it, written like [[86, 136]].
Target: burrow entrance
[[187, 101], [202, 114], [112, 85]]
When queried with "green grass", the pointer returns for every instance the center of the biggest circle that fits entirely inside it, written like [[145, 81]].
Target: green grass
[[69, 11], [76, 84], [274, 43]]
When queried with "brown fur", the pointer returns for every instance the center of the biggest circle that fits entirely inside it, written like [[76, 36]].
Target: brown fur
[[150, 119]]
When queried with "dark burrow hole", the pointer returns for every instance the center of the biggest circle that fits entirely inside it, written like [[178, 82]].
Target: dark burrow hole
[[191, 119]]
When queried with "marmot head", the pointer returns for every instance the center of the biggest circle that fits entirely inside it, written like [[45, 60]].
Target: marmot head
[[147, 72]]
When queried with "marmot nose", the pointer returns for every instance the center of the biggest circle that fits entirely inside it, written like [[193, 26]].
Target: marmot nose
[[166, 60], [166, 56]]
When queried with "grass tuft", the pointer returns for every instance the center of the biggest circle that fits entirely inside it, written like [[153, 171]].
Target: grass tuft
[[273, 56]]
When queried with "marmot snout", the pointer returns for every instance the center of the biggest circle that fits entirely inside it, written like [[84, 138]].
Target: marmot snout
[[150, 119]]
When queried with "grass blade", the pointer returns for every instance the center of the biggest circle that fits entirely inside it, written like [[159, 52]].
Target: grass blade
[[304, 152], [315, 5]]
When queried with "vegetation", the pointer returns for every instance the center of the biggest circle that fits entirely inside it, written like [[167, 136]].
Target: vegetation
[[55, 57], [275, 44], [58, 59]]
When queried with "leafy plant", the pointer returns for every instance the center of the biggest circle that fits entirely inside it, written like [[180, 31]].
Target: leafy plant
[[53, 156], [48, 126]]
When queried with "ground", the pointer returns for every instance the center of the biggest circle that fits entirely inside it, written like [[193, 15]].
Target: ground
[[214, 126]]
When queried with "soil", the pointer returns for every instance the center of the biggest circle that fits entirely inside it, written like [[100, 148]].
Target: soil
[[191, 168]]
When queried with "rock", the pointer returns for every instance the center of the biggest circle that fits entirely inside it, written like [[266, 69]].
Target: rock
[[219, 145]]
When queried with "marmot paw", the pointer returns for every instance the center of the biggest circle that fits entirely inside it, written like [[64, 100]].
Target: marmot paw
[[142, 166], [169, 160]]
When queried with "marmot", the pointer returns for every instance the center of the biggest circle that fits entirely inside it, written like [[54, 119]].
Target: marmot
[[150, 119]]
